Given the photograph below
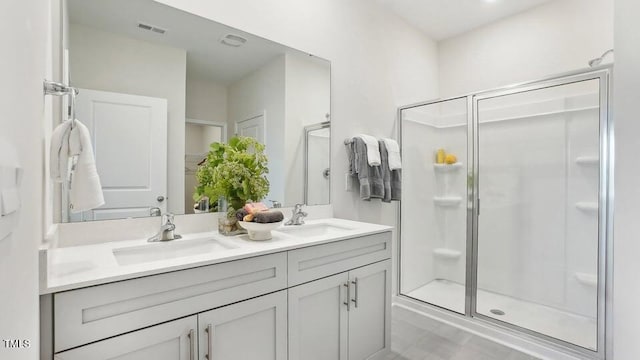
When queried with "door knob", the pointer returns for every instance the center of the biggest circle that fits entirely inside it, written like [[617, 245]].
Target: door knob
[[160, 198]]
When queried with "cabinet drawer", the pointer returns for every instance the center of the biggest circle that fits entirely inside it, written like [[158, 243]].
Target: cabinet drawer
[[94, 313], [315, 262]]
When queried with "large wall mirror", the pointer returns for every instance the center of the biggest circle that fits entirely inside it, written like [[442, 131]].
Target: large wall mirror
[[159, 85]]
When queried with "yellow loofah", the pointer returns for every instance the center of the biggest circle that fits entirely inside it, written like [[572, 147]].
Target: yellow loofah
[[450, 159]]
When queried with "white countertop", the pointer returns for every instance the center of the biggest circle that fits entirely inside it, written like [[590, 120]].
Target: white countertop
[[75, 267]]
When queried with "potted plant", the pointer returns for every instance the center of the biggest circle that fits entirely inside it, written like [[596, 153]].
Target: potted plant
[[234, 173]]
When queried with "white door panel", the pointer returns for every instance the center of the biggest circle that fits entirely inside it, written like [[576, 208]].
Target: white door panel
[[253, 127], [129, 134]]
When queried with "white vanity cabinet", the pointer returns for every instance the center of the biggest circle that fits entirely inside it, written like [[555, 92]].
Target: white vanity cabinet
[[174, 340], [344, 316], [325, 301]]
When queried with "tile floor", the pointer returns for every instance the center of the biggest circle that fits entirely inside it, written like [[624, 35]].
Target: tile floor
[[419, 338]]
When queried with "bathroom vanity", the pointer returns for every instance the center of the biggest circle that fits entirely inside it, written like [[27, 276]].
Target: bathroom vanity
[[316, 291]]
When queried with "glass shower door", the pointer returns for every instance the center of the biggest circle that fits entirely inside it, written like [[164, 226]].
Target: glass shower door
[[434, 203], [538, 223]]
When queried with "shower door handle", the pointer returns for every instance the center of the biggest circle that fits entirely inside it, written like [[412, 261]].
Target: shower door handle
[[478, 206]]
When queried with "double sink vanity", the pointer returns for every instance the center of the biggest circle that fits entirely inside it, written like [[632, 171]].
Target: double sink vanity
[[315, 291]]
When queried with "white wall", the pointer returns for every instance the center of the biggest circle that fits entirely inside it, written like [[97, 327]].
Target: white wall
[[263, 91], [626, 316], [205, 99], [550, 39], [307, 101], [104, 61], [24, 33]]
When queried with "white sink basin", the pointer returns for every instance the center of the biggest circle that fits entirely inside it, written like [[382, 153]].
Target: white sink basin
[[167, 250], [311, 230]]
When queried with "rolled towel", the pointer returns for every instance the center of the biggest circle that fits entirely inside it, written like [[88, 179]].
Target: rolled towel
[[240, 214], [254, 207], [393, 153], [373, 149], [268, 216]]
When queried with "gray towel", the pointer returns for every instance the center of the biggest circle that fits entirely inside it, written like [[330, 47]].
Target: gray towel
[[392, 179], [386, 172], [396, 185], [370, 177]]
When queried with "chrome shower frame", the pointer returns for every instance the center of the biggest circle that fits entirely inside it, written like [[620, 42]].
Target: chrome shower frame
[[605, 215], [307, 130]]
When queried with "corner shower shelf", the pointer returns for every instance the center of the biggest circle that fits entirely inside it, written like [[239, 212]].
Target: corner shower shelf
[[447, 167], [447, 201], [449, 254], [587, 279], [587, 206], [588, 160]]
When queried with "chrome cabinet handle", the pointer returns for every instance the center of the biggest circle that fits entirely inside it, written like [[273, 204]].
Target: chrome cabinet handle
[[355, 295], [192, 344], [209, 331], [348, 303]]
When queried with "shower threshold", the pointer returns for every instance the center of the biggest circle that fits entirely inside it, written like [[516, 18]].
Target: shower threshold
[[566, 326]]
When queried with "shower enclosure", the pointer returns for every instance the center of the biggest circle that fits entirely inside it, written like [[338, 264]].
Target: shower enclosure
[[512, 228]]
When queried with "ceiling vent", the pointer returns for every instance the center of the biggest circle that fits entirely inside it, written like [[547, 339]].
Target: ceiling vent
[[155, 29], [233, 40]]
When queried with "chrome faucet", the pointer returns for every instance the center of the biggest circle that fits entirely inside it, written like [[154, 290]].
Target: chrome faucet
[[167, 230], [297, 217]]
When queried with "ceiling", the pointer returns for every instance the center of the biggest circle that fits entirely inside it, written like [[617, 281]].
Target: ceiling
[[442, 19], [206, 56]]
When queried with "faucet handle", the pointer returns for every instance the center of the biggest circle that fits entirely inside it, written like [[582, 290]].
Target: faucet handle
[[276, 204]]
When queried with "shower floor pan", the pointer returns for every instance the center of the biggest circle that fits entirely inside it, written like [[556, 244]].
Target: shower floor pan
[[572, 328]]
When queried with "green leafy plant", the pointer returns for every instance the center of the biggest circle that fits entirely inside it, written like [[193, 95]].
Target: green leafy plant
[[235, 171]]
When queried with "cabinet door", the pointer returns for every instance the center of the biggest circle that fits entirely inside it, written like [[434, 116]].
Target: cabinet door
[[369, 317], [254, 329], [318, 319], [174, 340]]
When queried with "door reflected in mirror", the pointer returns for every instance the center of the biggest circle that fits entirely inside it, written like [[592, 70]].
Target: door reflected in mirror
[[159, 85]]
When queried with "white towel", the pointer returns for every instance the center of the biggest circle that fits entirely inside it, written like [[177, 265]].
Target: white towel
[[373, 149], [59, 152], [393, 150], [85, 188]]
